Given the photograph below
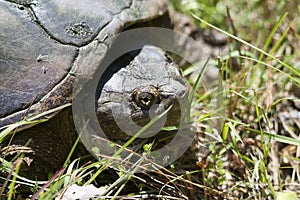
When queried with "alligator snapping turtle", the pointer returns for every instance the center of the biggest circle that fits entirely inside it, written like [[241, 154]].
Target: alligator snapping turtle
[[45, 45]]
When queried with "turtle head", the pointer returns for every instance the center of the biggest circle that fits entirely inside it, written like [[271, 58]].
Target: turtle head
[[149, 84]]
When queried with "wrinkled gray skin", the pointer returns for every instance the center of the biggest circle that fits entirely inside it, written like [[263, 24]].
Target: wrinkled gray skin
[[46, 44]]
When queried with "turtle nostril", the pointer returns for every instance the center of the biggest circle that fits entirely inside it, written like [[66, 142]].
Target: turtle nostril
[[145, 97]]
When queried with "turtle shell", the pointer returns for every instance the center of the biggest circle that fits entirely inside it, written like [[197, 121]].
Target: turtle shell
[[44, 43]]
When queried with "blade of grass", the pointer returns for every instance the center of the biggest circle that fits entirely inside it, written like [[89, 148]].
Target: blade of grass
[[142, 130], [57, 174], [75, 144], [31, 120], [12, 127], [125, 178], [225, 132], [235, 137], [267, 44], [220, 97], [281, 39], [270, 37], [7, 166], [291, 68], [16, 167], [198, 82], [262, 135], [295, 79], [278, 138], [264, 173]]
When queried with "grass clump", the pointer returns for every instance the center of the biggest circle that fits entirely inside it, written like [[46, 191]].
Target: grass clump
[[259, 71]]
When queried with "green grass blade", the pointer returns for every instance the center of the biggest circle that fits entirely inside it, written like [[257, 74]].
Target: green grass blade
[[17, 166], [295, 79], [142, 130], [269, 40], [291, 68], [31, 120], [198, 82]]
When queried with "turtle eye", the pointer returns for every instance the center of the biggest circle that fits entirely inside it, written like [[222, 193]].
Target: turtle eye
[[145, 97]]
